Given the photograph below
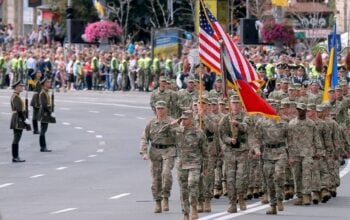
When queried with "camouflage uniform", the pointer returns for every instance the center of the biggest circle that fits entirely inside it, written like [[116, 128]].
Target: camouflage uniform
[[161, 154], [235, 156], [161, 95], [185, 99], [303, 144], [271, 136]]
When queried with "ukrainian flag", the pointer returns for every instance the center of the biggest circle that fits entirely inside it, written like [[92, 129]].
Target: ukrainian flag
[[331, 79], [282, 3]]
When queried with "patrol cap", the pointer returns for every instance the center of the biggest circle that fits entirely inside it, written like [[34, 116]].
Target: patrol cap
[[190, 79], [204, 100], [162, 79], [187, 114], [291, 87], [278, 81], [161, 104], [18, 82], [235, 99], [270, 100], [214, 101], [218, 79], [331, 90], [319, 108], [168, 81], [222, 101], [327, 107], [301, 106], [44, 80], [338, 88], [285, 80], [343, 83], [275, 105], [284, 104], [311, 106], [297, 86], [314, 82]]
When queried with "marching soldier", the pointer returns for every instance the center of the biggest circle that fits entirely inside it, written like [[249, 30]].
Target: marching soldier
[[19, 122], [232, 130], [46, 114], [35, 102], [161, 94], [161, 154]]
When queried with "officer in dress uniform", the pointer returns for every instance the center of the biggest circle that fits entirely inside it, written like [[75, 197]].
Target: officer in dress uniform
[[18, 119], [35, 103], [46, 114]]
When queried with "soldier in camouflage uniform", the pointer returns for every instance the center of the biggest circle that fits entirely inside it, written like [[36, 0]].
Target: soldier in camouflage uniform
[[233, 136], [320, 174], [314, 95], [283, 93], [303, 145], [270, 142], [186, 96], [162, 94], [191, 162], [161, 154], [174, 111]]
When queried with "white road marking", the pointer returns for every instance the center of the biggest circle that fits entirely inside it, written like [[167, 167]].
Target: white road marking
[[95, 112], [100, 150], [257, 206], [120, 196], [99, 136], [140, 118], [78, 128], [90, 131], [79, 161], [65, 123], [6, 185], [92, 155], [65, 109], [102, 143], [4, 103], [37, 176], [120, 115], [5, 113], [61, 168], [63, 211]]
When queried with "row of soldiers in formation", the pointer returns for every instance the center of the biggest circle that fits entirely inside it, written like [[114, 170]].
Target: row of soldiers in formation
[[42, 105], [219, 149]]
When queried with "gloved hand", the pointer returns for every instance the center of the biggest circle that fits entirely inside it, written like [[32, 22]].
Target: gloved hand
[[27, 122]]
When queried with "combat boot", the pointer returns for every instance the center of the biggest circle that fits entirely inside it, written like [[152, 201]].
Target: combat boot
[[291, 192], [165, 204], [264, 199], [316, 197], [207, 205], [298, 201], [158, 208], [306, 200], [241, 202], [194, 211], [224, 188], [186, 217], [250, 193], [325, 195], [271, 211], [233, 206], [280, 206], [287, 195], [199, 207], [334, 192], [217, 192], [256, 192]]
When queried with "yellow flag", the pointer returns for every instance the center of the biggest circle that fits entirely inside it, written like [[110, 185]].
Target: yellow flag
[[282, 3], [327, 82]]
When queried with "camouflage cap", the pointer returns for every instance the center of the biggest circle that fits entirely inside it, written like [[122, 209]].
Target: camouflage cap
[[187, 114], [235, 99], [222, 101], [285, 80], [338, 87], [301, 106], [291, 87], [327, 107], [297, 86], [311, 106], [275, 105], [278, 81], [331, 90], [284, 104], [270, 101], [314, 82], [319, 108], [190, 79], [161, 104], [162, 79], [214, 101], [218, 79], [204, 100], [343, 83]]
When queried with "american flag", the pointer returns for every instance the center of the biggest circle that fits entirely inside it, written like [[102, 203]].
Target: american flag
[[209, 48]]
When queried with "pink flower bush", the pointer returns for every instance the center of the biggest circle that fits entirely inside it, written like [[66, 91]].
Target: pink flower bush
[[102, 30], [277, 32]]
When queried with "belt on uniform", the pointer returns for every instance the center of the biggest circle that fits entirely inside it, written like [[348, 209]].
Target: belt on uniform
[[161, 146], [275, 145]]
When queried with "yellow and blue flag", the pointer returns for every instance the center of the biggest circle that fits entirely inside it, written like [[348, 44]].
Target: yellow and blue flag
[[331, 79], [99, 5]]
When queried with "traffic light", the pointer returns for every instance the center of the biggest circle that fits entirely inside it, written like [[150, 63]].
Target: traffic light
[[69, 13]]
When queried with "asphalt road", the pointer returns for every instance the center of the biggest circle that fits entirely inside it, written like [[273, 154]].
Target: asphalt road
[[95, 171]]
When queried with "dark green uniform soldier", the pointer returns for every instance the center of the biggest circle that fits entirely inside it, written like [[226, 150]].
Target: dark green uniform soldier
[[46, 114], [35, 102], [18, 119]]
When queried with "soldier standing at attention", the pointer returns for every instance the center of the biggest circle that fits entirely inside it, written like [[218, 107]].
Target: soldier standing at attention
[[46, 114], [191, 162], [271, 136], [35, 102], [18, 119], [304, 144], [161, 154], [233, 136]]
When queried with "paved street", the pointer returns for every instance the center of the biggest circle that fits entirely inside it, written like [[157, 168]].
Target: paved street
[[95, 171]]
